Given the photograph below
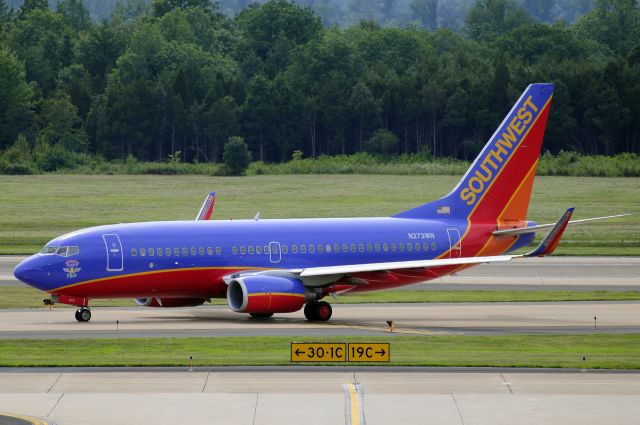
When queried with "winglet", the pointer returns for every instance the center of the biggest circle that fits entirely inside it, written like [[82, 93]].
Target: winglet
[[550, 242], [207, 207]]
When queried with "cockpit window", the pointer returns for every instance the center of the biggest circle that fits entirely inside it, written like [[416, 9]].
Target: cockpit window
[[63, 251]]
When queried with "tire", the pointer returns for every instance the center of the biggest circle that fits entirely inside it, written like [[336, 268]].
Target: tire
[[84, 314], [310, 311], [323, 311], [78, 316], [261, 315]]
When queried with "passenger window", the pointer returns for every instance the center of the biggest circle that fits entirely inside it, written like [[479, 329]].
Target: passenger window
[[251, 250], [275, 249], [167, 252], [312, 249], [385, 247], [176, 252], [345, 247], [353, 247], [201, 251], [328, 247], [209, 250], [234, 250], [320, 249], [266, 249], [143, 252], [258, 249], [425, 246], [369, 247], [409, 247], [243, 250], [433, 246], [185, 251], [361, 247], [218, 250], [294, 249], [417, 246], [160, 252], [336, 247], [285, 249], [152, 252], [401, 247], [377, 247], [193, 250], [393, 247], [134, 252], [303, 249]]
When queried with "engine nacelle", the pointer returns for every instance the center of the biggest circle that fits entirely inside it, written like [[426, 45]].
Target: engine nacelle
[[170, 302], [267, 294]]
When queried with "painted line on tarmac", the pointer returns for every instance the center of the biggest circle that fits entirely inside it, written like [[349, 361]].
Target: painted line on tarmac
[[16, 419], [386, 330], [353, 404]]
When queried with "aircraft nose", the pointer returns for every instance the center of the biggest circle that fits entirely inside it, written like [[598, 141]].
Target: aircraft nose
[[25, 271]]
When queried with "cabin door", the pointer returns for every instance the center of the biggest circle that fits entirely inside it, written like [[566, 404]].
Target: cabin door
[[274, 252], [455, 244], [115, 261]]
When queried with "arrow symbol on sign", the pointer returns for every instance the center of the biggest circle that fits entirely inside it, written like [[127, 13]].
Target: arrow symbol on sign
[[381, 352], [298, 352]]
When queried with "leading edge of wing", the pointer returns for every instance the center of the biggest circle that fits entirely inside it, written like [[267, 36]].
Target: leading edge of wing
[[373, 267]]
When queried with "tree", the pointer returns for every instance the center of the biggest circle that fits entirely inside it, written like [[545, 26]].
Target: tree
[[426, 11], [30, 5], [382, 142], [75, 14], [162, 7], [236, 155], [61, 125], [489, 19], [615, 23], [17, 98]]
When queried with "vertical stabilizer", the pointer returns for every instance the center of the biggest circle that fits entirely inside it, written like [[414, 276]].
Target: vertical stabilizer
[[497, 186]]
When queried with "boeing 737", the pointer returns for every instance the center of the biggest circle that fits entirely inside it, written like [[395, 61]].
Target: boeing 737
[[264, 267]]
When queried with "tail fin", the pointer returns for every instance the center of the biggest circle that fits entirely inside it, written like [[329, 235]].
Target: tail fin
[[498, 184], [207, 207]]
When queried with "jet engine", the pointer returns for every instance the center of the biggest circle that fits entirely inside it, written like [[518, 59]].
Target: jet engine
[[267, 294], [169, 302]]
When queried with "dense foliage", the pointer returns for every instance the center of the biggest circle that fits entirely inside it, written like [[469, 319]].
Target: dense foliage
[[174, 81]]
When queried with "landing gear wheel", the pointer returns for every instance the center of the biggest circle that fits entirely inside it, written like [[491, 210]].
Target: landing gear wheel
[[83, 315], [310, 310], [323, 311], [316, 311], [260, 315]]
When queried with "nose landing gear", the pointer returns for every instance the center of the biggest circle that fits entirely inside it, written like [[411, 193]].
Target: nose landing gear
[[83, 314]]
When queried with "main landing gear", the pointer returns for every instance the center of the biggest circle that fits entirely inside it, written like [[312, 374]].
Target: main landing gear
[[83, 314], [318, 311]]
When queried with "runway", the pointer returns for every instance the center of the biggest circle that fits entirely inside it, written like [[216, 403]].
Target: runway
[[265, 396], [348, 319], [547, 273]]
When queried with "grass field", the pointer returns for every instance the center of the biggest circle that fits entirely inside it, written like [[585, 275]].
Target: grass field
[[27, 297], [557, 351], [35, 209]]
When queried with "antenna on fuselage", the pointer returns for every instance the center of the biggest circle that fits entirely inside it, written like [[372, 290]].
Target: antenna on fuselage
[[257, 217]]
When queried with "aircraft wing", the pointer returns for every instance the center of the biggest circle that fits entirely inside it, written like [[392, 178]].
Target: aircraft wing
[[546, 247], [534, 229]]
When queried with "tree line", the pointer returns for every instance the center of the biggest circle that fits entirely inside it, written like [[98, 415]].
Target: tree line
[[179, 79]]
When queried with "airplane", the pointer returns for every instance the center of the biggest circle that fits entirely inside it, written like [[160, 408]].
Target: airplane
[[264, 267]]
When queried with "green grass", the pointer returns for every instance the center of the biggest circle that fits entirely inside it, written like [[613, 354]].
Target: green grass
[[26, 297], [35, 209], [556, 351]]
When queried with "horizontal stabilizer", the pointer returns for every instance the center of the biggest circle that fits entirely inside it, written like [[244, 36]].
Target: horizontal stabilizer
[[534, 229], [550, 242], [207, 207]]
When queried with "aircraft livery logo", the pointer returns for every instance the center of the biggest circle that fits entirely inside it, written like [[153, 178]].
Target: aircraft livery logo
[[502, 148], [72, 268]]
